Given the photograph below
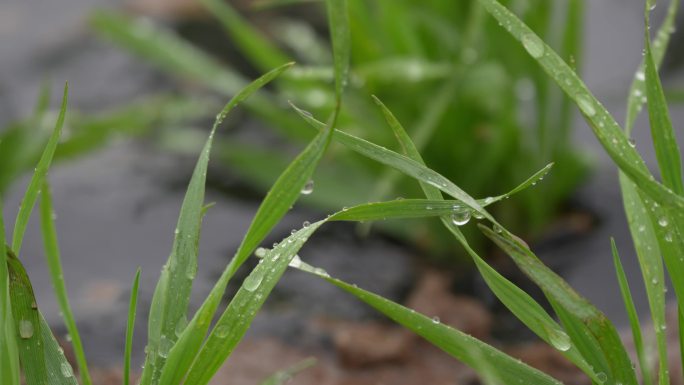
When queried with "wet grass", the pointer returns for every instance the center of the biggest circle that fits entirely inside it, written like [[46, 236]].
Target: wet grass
[[189, 349]]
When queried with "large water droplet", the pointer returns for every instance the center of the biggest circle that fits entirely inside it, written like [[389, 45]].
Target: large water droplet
[[222, 331], [534, 45], [435, 320], [253, 281], [165, 346], [663, 222], [260, 252], [25, 329], [586, 105], [560, 340], [461, 216], [601, 377], [308, 187]]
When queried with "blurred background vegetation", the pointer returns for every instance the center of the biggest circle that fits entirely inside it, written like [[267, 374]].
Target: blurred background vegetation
[[483, 101]]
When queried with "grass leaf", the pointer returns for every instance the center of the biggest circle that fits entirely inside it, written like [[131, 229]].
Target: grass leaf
[[56, 274], [9, 357], [41, 171], [130, 326], [338, 21], [27, 326], [172, 294], [286, 375], [633, 316], [59, 370]]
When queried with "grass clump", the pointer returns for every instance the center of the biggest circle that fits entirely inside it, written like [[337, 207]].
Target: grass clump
[[191, 351]]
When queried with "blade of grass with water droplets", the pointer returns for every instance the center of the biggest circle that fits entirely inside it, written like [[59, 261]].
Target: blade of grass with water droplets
[[634, 323], [662, 132], [564, 297], [650, 260], [171, 296], [399, 162], [233, 324], [59, 370], [41, 171], [27, 327], [54, 263], [638, 88], [515, 299], [9, 357], [130, 325], [605, 128]]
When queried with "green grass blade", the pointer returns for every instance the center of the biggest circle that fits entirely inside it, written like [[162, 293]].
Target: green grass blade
[[664, 139], [524, 307], [27, 323], [605, 128], [338, 21], [172, 294], [252, 43], [33, 188], [130, 326], [559, 292], [401, 163], [633, 316], [233, 324], [56, 274], [283, 376], [59, 370], [9, 357], [650, 260], [461, 346], [637, 90]]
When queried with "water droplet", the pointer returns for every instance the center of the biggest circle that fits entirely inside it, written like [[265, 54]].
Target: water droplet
[[586, 105], [191, 272], [663, 222], [308, 187], [478, 215], [165, 346], [601, 377], [25, 329], [534, 45], [498, 229], [176, 231], [253, 281], [222, 331], [34, 305], [632, 142], [654, 281], [460, 217], [560, 340], [260, 252], [641, 76], [435, 320], [488, 200], [181, 325], [306, 224], [65, 368], [668, 237]]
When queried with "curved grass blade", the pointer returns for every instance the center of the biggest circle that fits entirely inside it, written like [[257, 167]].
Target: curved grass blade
[[591, 320], [461, 346], [649, 255], [26, 323], [283, 376], [605, 128], [523, 306], [664, 139], [277, 202], [633, 316], [130, 326], [9, 357], [401, 163], [54, 263], [251, 42], [33, 188], [638, 88], [172, 294], [233, 324]]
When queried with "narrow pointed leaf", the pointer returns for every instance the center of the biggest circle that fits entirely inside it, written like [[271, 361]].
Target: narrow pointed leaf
[[9, 357], [56, 274], [59, 370], [338, 22], [130, 326], [41, 171]]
